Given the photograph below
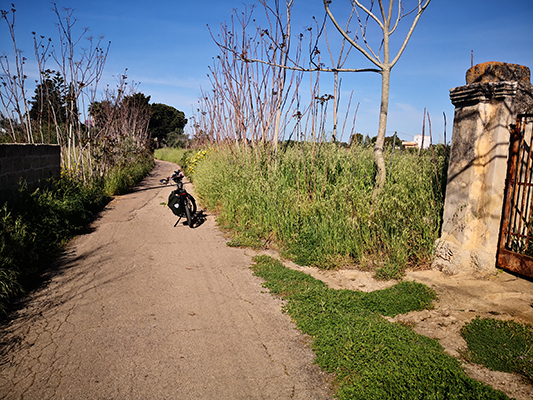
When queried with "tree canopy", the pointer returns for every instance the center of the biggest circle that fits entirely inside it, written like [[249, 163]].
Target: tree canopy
[[52, 100], [167, 124]]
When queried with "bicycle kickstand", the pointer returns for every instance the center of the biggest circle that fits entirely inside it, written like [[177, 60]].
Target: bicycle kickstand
[[177, 222]]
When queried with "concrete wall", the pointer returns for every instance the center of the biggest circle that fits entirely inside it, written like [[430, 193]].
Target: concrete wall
[[32, 162]]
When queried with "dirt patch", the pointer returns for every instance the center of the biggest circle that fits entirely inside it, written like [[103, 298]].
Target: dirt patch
[[461, 298]]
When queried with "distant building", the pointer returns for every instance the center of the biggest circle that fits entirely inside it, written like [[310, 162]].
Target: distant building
[[417, 142], [410, 145], [426, 140]]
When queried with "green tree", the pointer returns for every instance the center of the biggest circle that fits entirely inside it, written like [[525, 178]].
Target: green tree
[[356, 139], [138, 101], [100, 113], [48, 103], [167, 124], [51, 105], [393, 141]]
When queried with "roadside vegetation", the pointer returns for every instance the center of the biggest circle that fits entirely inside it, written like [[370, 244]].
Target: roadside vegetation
[[171, 154], [104, 137], [370, 357]]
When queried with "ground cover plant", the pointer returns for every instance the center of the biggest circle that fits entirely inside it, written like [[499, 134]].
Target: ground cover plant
[[505, 346], [34, 225], [370, 357], [314, 201]]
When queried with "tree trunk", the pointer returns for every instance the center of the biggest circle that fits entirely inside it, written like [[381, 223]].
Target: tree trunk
[[335, 107], [380, 141]]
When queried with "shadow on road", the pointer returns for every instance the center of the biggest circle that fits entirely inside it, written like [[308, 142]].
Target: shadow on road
[[144, 188], [199, 218]]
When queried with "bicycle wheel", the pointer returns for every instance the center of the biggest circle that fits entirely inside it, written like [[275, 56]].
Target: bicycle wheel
[[188, 213], [192, 204]]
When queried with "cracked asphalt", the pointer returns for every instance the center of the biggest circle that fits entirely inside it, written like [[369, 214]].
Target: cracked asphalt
[[140, 309]]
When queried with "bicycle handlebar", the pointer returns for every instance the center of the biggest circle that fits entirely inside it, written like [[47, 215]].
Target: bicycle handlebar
[[176, 177]]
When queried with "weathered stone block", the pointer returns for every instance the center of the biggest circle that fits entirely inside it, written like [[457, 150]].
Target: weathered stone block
[[485, 110], [497, 72]]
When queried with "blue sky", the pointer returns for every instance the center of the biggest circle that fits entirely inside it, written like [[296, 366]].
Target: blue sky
[[167, 48]]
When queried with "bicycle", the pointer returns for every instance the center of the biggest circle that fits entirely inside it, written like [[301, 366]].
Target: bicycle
[[180, 202]]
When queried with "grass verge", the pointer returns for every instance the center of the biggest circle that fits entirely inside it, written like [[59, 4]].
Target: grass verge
[[370, 357], [171, 154]]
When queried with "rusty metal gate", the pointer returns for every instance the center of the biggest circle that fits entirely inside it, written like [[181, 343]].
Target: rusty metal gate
[[515, 252]]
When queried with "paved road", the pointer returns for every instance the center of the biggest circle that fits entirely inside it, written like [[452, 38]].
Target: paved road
[[140, 309]]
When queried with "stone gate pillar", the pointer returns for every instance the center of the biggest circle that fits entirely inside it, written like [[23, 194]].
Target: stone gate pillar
[[485, 110]]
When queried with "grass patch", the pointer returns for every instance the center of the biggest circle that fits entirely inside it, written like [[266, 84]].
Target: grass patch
[[171, 154], [186, 159], [370, 357], [505, 346], [122, 178]]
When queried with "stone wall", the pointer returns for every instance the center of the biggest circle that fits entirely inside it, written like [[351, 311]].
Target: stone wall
[[34, 163]]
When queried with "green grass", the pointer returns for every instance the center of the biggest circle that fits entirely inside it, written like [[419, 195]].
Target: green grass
[[314, 201], [370, 357], [171, 154], [505, 346], [121, 179], [34, 225]]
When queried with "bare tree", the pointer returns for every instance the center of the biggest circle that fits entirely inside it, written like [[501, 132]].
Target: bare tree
[[248, 100], [81, 68], [387, 18], [119, 132], [12, 87], [274, 51]]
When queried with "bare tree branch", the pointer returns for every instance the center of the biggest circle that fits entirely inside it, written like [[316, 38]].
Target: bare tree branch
[[373, 59], [421, 9]]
